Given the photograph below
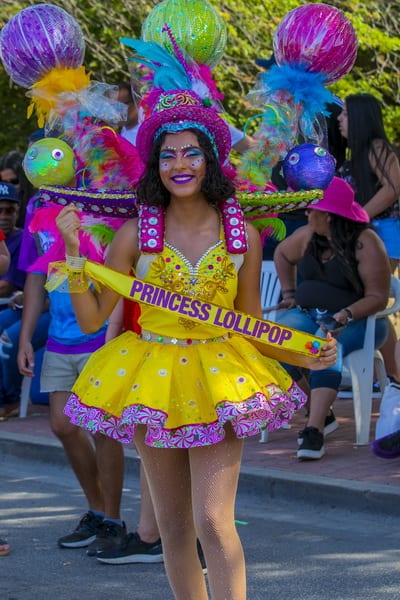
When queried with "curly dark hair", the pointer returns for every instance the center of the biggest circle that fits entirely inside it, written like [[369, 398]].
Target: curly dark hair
[[344, 242], [216, 186]]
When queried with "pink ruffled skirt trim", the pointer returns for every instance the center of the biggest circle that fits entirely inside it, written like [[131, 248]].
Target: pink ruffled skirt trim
[[248, 417]]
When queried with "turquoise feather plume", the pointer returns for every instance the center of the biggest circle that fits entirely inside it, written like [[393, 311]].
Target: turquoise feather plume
[[169, 73]]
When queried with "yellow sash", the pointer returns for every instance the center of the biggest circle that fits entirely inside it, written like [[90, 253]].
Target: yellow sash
[[283, 342]]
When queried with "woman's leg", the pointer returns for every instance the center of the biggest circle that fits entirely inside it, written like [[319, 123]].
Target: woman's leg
[[168, 476], [301, 320], [215, 474], [110, 468], [321, 400], [325, 383]]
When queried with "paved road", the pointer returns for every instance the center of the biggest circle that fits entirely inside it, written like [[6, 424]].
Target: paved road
[[294, 551]]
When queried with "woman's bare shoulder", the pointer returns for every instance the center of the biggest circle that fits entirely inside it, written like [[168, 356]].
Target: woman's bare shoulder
[[369, 241]]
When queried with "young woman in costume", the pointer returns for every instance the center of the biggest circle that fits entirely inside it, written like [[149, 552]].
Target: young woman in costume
[[186, 392]]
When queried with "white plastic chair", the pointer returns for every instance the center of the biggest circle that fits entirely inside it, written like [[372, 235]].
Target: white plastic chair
[[270, 293], [270, 288], [360, 366]]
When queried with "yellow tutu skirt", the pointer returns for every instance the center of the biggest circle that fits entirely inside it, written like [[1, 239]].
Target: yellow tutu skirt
[[184, 393]]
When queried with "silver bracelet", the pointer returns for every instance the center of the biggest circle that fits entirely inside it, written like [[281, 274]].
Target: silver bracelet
[[75, 263]]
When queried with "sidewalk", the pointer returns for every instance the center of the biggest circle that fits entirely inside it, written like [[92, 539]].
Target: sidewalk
[[348, 476]]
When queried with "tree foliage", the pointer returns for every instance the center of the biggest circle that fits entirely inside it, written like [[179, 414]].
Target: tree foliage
[[251, 27]]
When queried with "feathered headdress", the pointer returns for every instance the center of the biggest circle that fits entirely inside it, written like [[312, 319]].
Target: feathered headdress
[[179, 97]]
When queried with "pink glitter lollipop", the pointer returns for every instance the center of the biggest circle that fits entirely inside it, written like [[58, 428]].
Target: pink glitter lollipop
[[318, 38]]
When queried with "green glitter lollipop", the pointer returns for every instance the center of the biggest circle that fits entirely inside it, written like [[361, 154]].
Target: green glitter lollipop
[[197, 27]]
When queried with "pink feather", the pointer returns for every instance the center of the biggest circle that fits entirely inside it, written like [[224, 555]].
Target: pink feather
[[44, 221]]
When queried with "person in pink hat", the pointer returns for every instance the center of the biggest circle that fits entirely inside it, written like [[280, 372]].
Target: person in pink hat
[[185, 392], [344, 277]]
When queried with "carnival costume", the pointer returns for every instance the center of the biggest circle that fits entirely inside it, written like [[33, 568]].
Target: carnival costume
[[182, 379]]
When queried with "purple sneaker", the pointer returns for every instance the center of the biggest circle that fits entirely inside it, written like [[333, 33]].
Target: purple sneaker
[[387, 446]]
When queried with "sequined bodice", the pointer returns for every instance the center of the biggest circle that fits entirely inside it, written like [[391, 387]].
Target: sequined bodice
[[212, 279]]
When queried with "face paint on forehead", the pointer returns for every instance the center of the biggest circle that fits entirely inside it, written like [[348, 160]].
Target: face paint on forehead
[[184, 147]]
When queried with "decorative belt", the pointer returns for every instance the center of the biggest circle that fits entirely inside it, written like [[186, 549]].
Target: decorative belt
[[148, 336]]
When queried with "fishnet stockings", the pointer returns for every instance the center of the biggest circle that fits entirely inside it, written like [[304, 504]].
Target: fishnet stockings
[[194, 496]]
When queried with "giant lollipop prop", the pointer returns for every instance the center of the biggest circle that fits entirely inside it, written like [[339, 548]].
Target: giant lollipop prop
[[198, 29], [42, 48], [314, 45], [39, 39], [318, 39]]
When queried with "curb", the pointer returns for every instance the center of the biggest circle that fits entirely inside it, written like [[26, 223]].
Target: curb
[[329, 492]]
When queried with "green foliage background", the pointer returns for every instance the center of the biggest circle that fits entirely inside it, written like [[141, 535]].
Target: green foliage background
[[251, 25]]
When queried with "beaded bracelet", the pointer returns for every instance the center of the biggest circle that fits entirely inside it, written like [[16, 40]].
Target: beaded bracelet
[[78, 282], [75, 263]]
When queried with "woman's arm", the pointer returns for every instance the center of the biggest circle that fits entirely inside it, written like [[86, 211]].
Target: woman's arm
[[286, 256], [389, 180], [374, 271], [34, 302], [93, 308]]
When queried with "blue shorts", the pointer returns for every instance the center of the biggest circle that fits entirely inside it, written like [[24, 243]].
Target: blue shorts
[[389, 231]]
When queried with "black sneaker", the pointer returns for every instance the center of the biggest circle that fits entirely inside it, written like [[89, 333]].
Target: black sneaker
[[330, 426], [132, 550], [84, 534], [109, 536], [312, 444]]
